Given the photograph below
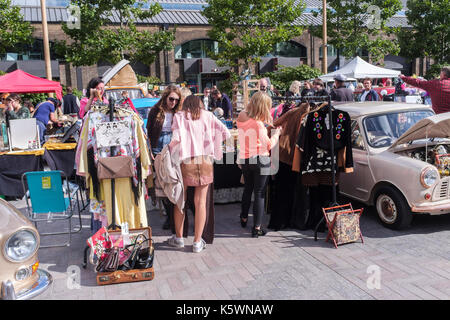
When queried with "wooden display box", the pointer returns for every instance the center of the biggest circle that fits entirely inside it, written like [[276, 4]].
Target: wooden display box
[[134, 275]]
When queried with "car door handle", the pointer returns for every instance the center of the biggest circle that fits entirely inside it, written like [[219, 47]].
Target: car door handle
[[363, 163]]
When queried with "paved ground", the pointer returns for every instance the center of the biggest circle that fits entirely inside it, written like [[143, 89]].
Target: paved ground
[[289, 264]]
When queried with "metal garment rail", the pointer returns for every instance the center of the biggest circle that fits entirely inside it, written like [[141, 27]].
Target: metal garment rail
[[113, 225], [326, 98]]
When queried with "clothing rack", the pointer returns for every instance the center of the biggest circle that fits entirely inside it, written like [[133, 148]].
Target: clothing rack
[[326, 98], [113, 225]]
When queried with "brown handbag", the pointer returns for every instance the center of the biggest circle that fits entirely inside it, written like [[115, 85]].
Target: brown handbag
[[115, 167]]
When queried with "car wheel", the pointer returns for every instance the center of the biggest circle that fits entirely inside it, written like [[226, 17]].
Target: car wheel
[[392, 208]]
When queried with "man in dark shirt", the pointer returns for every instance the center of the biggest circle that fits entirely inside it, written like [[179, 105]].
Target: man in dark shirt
[[221, 100], [341, 92], [369, 94], [70, 103], [319, 88]]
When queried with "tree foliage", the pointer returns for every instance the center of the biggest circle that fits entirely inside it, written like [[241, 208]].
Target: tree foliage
[[360, 25], [13, 29], [249, 29], [283, 78], [429, 35], [101, 38]]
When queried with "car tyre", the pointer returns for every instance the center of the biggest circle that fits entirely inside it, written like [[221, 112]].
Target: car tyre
[[392, 209]]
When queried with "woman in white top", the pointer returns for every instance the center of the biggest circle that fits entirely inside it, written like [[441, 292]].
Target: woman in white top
[[159, 130]]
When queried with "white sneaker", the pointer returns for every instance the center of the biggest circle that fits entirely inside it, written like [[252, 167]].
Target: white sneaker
[[174, 242], [199, 246]]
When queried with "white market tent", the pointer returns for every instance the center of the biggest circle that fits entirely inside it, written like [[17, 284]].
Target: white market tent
[[359, 69]]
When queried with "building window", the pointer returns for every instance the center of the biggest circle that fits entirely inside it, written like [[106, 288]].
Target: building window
[[288, 49], [200, 48], [35, 51], [331, 51]]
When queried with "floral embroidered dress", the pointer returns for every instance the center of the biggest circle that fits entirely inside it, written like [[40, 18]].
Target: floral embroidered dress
[[129, 193]]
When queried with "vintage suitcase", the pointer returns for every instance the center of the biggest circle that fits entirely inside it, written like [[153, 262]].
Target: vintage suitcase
[[134, 275], [120, 276]]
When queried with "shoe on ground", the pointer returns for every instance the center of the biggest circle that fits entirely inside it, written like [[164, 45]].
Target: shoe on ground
[[243, 222], [198, 246], [176, 243], [258, 232]]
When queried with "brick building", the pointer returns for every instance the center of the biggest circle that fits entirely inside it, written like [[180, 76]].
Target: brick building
[[189, 60]]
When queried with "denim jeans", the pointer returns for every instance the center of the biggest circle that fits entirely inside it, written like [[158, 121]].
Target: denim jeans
[[255, 182], [42, 127], [164, 138]]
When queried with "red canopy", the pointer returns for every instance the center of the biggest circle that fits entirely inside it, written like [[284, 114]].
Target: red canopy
[[21, 82]]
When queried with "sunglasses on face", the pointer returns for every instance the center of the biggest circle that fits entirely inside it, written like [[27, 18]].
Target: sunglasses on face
[[173, 99]]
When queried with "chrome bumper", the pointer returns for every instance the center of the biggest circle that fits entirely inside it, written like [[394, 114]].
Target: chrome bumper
[[43, 282], [434, 208]]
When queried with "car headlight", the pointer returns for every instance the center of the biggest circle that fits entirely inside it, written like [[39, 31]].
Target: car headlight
[[429, 177], [21, 245]]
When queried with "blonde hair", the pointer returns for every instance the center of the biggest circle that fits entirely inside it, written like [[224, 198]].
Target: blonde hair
[[295, 87], [259, 107], [185, 92]]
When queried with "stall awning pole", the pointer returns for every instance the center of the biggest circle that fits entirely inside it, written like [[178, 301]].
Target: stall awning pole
[[48, 67]]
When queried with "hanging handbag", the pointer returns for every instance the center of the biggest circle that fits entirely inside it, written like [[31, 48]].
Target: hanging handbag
[[110, 262], [115, 167]]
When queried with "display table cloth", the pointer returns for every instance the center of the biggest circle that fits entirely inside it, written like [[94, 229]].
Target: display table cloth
[[59, 156]]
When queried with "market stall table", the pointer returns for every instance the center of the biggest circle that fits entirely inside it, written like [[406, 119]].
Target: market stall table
[[58, 156], [13, 165]]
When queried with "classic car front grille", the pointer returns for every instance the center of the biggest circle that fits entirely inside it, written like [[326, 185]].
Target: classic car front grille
[[441, 191]]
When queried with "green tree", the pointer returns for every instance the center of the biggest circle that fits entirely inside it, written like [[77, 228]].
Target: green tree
[[13, 29], [358, 25], [283, 78], [249, 29], [429, 32], [108, 32]]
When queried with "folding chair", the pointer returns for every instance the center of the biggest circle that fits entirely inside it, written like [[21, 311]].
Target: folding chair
[[51, 200], [343, 224]]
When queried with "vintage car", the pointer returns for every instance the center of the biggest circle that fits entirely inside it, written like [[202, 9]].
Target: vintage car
[[20, 276], [401, 157], [143, 106]]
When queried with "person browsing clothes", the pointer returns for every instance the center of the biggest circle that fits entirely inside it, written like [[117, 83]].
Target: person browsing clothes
[[45, 113]]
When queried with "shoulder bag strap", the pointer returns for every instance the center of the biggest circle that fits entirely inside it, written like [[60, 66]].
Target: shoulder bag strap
[[37, 107]]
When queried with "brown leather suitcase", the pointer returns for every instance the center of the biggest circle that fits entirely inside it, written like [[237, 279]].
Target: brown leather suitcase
[[121, 276]]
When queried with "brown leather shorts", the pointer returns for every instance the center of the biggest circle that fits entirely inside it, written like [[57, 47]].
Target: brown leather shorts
[[197, 171]]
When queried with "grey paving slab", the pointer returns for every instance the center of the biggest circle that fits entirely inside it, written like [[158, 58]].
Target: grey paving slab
[[287, 264]]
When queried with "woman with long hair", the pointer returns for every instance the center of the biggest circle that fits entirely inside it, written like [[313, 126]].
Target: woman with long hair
[[197, 140], [14, 108], [95, 90], [159, 130], [295, 87], [254, 156]]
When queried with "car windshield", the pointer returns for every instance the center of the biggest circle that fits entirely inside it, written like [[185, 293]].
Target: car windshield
[[117, 93], [143, 112], [383, 130]]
